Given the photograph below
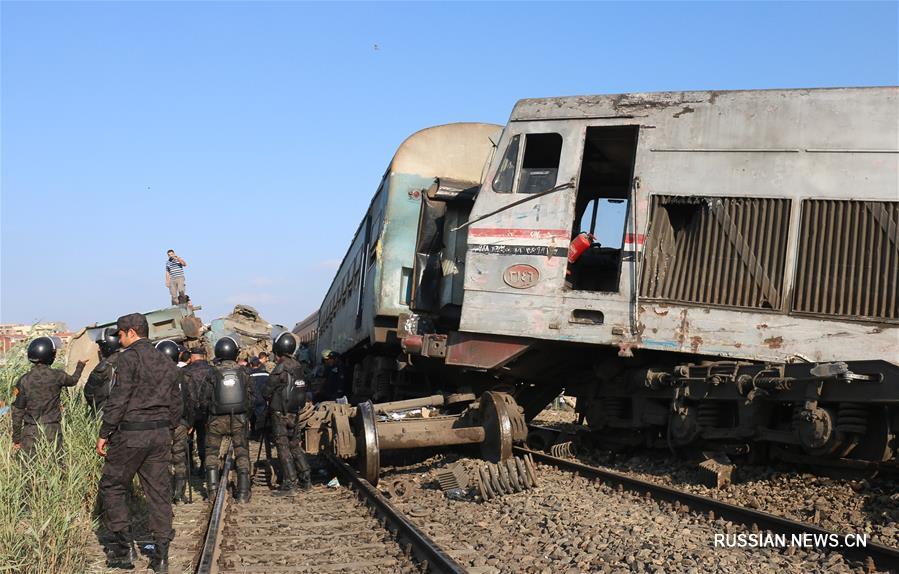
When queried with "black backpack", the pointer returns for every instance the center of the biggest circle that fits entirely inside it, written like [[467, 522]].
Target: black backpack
[[229, 395], [293, 394]]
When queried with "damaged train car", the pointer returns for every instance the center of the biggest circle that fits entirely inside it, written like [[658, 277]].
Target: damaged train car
[[373, 285], [695, 267]]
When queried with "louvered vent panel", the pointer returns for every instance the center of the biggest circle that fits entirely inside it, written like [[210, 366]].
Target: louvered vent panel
[[848, 261], [716, 251]]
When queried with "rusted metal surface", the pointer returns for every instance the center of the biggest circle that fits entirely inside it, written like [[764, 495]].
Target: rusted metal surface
[[515, 474], [848, 260], [363, 432], [716, 251], [483, 351], [368, 457], [431, 401], [210, 550], [426, 432]]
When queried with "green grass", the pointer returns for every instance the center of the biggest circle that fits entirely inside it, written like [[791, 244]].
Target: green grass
[[46, 501]]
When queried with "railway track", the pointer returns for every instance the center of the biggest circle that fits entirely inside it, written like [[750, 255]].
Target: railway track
[[350, 528], [874, 555]]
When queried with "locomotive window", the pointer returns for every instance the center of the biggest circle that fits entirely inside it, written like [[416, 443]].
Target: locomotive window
[[506, 174], [541, 162]]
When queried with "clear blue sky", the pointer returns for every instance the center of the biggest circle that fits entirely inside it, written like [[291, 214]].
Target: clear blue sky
[[250, 137]]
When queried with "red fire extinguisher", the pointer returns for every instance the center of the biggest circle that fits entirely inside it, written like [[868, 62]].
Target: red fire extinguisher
[[578, 245]]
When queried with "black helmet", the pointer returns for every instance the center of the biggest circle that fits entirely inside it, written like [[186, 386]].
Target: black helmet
[[285, 344], [109, 341], [169, 348], [227, 348], [43, 350]]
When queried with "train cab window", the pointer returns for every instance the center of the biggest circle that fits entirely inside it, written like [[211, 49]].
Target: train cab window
[[601, 208], [540, 167], [505, 176]]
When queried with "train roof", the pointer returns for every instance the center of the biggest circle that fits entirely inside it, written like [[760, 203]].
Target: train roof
[[641, 104], [452, 151]]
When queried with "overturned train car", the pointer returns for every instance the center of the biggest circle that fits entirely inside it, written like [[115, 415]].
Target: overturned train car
[[695, 267]]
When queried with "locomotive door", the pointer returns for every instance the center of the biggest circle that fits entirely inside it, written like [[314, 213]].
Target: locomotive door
[[518, 256], [601, 209], [596, 303]]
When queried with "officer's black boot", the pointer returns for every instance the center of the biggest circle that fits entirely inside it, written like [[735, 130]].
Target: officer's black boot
[[243, 486], [306, 480], [178, 490], [159, 562], [289, 483], [121, 551], [212, 481], [304, 470]]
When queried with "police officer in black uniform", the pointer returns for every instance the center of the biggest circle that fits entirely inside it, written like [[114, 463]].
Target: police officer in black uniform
[[286, 394], [143, 408], [230, 403], [100, 381], [186, 386], [36, 407], [203, 376]]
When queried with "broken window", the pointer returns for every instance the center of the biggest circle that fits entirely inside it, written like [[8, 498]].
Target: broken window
[[505, 177], [541, 162], [601, 208]]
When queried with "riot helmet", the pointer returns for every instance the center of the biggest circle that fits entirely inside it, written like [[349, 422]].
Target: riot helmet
[[43, 350], [108, 341], [169, 348], [227, 348], [283, 341]]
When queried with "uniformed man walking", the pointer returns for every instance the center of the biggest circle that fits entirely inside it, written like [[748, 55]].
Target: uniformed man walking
[[187, 389], [100, 381], [143, 408], [35, 409], [203, 376], [286, 394], [229, 408]]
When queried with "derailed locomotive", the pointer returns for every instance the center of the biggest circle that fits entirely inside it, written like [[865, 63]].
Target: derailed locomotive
[[693, 266]]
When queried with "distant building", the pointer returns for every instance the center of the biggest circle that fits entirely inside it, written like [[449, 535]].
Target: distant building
[[12, 333]]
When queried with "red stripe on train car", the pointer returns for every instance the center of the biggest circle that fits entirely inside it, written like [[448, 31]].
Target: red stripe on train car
[[518, 233], [638, 238]]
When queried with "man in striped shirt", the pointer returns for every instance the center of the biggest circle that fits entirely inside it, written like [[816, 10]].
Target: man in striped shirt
[[174, 277]]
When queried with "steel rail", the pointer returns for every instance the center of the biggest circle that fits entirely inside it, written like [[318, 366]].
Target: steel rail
[[428, 553], [884, 557], [210, 542]]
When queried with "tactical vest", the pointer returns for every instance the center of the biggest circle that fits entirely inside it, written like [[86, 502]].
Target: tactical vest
[[186, 398], [293, 394], [229, 395]]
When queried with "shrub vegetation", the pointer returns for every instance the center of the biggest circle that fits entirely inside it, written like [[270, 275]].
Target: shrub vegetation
[[47, 501]]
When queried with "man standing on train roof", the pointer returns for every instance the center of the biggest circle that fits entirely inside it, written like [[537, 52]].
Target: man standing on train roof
[[187, 388], [203, 376], [174, 277], [101, 379], [35, 409], [143, 408], [230, 403], [288, 403]]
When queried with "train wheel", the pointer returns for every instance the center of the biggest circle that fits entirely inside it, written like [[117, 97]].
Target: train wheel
[[497, 445], [368, 455]]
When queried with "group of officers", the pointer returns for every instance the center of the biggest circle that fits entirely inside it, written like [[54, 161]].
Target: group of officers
[[149, 408]]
